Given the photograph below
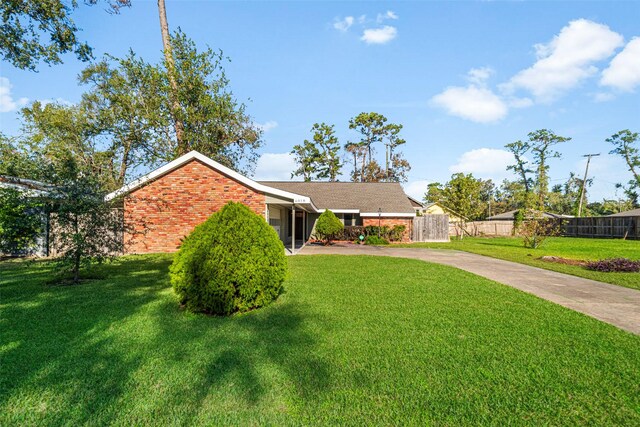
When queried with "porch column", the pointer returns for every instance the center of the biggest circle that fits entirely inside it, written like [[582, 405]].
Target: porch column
[[293, 229]]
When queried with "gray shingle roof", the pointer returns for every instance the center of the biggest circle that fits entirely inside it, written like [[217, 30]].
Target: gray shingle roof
[[510, 215], [632, 212], [364, 196]]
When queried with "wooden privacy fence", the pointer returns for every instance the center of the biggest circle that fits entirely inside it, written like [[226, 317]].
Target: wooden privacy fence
[[625, 227], [430, 228], [482, 228]]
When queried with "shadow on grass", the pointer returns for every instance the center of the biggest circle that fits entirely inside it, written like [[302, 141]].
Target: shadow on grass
[[77, 354]]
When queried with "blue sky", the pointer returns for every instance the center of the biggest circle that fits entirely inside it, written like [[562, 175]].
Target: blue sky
[[464, 78]]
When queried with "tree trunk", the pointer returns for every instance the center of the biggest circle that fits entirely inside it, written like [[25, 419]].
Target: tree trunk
[[124, 164], [76, 254], [171, 71]]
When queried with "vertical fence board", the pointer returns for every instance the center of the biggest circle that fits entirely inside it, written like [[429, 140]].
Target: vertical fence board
[[625, 227], [431, 228]]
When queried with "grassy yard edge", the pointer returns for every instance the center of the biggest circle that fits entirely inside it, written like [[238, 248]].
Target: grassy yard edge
[[521, 255]]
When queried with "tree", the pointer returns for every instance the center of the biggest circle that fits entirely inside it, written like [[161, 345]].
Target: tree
[[510, 195], [21, 221], [564, 198], [123, 100], [318, 159], [626, 146], [124, 122], [27, 23], [215, 123], [306, 157], [463, 194], [396, 166], [521, 168], [328, 163], [540, 146], [359, 153], [609, 206], [541, 143], [327, 225], [53, 133], [16, 160], [372, 128], [174, 100], [86, 228]]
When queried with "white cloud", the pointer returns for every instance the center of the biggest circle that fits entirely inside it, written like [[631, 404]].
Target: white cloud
[[267, 126], [519, 102], [567, 60], [416, 189], [275, 167], [474, 103], [603, 97], [343, 24], [379, 35], [7, 103], [623, 72], [484, 162], [479, 76], [389, 14]]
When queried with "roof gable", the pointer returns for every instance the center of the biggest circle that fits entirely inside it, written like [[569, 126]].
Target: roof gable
[[194, 155]]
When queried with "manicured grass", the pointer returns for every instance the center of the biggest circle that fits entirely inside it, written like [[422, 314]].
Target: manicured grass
[[511, 249], [352, 341]]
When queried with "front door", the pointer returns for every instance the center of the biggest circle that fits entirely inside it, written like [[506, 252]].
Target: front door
[[299, 225]]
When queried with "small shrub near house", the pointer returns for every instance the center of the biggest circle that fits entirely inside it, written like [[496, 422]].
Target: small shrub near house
[[328, 225], [233, 262], [392, 234], [21, 222], [375, 240], [620, 265]]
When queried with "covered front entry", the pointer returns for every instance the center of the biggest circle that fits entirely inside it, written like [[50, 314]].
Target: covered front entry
[[291, 222]]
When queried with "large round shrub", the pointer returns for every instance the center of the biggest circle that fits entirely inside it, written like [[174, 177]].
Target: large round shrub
[[233, 262], [328, 224]]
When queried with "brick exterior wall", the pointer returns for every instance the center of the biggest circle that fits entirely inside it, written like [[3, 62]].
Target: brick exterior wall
[[164, 211], [390, 222]]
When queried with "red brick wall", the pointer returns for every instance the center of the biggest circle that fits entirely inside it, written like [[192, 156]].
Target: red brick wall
[[164, 211], [390, 222]]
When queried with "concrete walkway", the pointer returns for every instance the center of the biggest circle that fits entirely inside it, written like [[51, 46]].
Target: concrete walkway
[[613, 304]]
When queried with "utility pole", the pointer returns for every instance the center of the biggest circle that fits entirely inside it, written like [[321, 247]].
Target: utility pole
[[584, 181]]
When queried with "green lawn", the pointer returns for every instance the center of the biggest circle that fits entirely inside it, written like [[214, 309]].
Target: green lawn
[[352, 341], [511, 249]]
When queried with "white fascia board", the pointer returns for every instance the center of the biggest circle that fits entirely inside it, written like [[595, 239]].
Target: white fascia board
[[350, 211], [388, 214], [194, 155]]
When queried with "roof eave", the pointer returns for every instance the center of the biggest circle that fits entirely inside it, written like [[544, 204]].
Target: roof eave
[[194, 155]]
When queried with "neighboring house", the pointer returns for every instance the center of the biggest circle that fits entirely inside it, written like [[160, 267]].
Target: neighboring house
[[436, 208], [510, 216], [165, 205], [417, 205], [31, 188], [632, 212]]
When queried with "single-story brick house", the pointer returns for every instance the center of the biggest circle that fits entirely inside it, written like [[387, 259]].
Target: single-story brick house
[[173, 199]]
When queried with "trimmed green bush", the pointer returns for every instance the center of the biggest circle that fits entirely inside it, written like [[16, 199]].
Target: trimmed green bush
[[233, 262], [375, 240], [327, 225]]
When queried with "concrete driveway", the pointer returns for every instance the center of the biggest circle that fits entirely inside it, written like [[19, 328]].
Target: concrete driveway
[[613, 304]]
